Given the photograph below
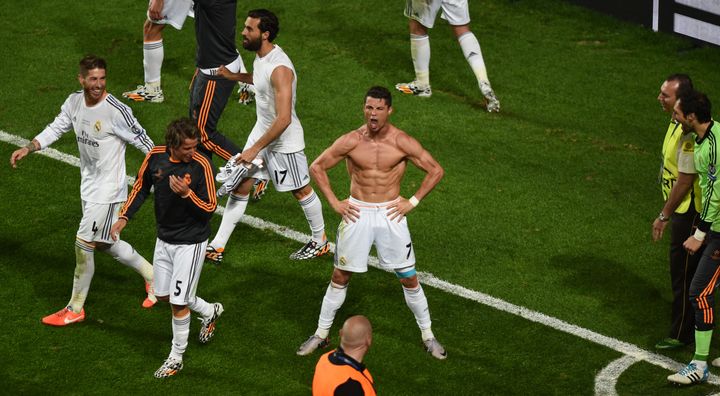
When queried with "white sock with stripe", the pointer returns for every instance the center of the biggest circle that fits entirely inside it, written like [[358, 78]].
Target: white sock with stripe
[[84, 271], [234, 211], [153, 55], [312, 206], [126, 255], [202, 307], [420, 51], [417, 302], [471, 49], [181, 332], [333, 300]]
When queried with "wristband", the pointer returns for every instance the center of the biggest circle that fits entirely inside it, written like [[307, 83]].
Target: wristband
[[699, 235], [413, 201], [663, 218]]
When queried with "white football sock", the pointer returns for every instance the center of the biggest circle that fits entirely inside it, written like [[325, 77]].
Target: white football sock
[[202, 307], [312, 206], [84, 271], [181, 331], [420, 51], [471, 49], [234, 211], [333, 300], [125, 254], [417, 302], [153, 54]]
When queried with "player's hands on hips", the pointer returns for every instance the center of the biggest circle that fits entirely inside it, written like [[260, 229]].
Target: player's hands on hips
[[17, 155], [658, 228], [399, 209], [178, 186], [155, 10], [349, 212], [117, 228], [692, 245]]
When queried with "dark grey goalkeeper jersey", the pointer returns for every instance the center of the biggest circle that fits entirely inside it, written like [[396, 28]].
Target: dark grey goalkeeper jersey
[[215, 23]]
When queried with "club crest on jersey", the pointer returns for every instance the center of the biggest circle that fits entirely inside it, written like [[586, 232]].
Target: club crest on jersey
[[711, 172], [187, 179], [98, 126], [158, 175]]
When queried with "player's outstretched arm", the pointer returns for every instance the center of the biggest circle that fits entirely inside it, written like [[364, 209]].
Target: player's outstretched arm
[[227, 74], [23, 152]]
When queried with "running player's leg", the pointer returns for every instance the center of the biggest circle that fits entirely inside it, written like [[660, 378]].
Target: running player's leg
[[458, 15], [120, 250], [209, 95], [421, 18], [84, 268], [234, 210]]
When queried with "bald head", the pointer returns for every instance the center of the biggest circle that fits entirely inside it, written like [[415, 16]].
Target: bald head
[[356, 333]]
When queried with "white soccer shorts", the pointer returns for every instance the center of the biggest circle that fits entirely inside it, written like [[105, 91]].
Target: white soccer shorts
[[177, 270], [175, 12], [288, 171], [97, 220], [456, 12], [390, 237]]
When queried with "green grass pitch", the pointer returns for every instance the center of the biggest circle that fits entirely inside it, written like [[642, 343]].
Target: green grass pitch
[[547, 205]]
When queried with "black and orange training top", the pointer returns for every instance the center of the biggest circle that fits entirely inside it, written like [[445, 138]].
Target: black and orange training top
[[179, 220], [339, 374]]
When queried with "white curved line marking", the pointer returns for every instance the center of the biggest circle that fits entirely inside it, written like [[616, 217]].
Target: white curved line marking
[[607, 378]]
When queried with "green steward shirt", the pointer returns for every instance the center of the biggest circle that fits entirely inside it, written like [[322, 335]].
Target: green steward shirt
[[678, 156], [706, 163]]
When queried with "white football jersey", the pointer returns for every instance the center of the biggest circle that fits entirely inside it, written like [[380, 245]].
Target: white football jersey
[[292, 140], [101, 132]]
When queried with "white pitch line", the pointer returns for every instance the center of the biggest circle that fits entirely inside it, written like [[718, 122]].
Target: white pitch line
[[607, 378], [431, 280]]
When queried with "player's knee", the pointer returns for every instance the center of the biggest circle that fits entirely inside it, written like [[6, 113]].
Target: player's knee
[[340, 277], [407, 276], [460, 29], [152, 31], [302, 192]]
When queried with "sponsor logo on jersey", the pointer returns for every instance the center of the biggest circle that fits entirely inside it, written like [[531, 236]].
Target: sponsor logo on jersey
[[98, 126], [158, 175], [711, 172], [84, 138]]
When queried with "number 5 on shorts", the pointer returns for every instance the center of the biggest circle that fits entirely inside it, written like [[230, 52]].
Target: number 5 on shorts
[[177, 288]]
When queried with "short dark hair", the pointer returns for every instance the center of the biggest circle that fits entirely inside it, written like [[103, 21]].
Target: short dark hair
[[685, 85], [90, 62], [179, 130], [379, 92], [268, 22], [696, 103]]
